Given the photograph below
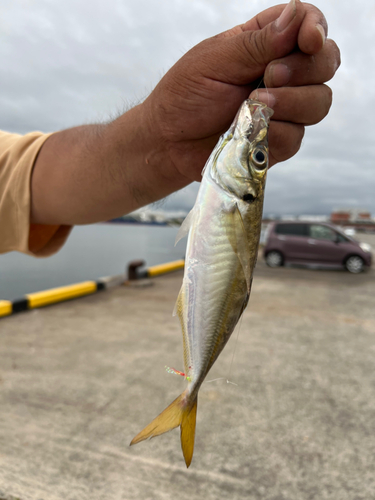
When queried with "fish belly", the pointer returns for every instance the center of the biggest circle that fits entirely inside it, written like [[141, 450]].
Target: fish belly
[[214, 284]]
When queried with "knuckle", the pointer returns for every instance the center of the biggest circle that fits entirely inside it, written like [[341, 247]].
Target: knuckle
[[254, 46], [317, 14], [285, 140], [328, 99], [296, 137], [321, 101], [333, 58], [337, 55], [230, 33], [328, 94], [299, 135]]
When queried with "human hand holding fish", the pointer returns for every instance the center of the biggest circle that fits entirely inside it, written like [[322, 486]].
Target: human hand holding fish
[[285, 46], [96, 172]]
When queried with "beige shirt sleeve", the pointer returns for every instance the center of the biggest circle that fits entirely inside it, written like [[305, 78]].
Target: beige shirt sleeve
[[17, 157]]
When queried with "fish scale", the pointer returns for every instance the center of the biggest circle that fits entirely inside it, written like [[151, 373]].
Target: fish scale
[[224, 230]]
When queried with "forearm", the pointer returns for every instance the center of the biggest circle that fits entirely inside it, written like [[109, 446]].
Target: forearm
[[96, 172]]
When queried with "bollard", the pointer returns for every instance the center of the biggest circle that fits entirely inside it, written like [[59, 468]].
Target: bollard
[[132, 269]]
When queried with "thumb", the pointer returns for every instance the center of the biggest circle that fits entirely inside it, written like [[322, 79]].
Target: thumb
[[246, 53]]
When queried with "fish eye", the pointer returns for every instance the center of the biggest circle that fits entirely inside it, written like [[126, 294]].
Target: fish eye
[[259, 158], [248, 197]]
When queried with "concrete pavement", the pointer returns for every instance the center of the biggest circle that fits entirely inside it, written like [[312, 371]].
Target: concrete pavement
[[79, 379]]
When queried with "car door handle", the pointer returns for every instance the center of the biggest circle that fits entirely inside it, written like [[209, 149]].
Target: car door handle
[[311, 242], [282, 238]]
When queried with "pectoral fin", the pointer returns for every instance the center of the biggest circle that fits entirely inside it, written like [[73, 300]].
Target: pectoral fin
[[185, 226], [238, 239]]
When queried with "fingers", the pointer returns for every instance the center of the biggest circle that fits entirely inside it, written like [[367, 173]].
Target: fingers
[[284, 140], [303, 105], [313, 31], [242, 54], [303, 69], [241, 57]]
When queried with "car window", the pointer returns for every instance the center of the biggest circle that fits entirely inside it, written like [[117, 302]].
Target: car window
[[341, 238], [291, 229], [322, 233]]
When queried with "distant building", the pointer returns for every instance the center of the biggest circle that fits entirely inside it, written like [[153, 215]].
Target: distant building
[[306, 217], [340, 216], [350, 216], [313, 218], [288, 217], [364, 216]]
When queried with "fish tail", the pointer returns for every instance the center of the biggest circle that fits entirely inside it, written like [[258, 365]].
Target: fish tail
[[188, 431], [182, 412]]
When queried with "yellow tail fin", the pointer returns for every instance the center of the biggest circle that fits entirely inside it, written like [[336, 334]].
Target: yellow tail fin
[[181, 413]]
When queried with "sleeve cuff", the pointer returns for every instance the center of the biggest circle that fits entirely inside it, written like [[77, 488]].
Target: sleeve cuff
[[17, 158]]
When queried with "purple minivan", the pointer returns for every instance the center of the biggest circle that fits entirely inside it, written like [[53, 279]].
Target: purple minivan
[[314, 243]]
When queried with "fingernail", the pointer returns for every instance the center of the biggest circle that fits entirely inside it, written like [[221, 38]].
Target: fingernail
[[287, 16], [263, 96], [280, 75], [320, 28]]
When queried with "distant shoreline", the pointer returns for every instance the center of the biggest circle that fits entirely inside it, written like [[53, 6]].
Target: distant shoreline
[[135, 222]]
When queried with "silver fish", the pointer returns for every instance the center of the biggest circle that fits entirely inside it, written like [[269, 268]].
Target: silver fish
[[224, 230]]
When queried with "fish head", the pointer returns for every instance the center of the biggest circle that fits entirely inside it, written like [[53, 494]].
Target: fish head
[[241, 166]]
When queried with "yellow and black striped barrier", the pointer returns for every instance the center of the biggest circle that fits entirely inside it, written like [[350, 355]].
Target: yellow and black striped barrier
[[5, 308], [165, 268], [69, 292], [135, 273], [55, 295]]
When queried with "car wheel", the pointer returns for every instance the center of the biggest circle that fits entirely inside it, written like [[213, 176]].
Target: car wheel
[[274, 259], [354, 264]]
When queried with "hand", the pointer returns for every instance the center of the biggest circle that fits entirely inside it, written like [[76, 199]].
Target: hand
[[198, 98], [93, 173]]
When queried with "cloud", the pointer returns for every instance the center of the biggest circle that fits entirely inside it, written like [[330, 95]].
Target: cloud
[[73, 62]]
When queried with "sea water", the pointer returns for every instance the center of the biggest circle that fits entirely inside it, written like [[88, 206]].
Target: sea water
[[90, 252]]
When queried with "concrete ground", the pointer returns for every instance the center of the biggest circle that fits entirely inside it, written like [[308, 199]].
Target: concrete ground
[[79, 379]]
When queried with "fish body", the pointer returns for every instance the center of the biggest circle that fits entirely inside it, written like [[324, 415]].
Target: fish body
[[224, 230]]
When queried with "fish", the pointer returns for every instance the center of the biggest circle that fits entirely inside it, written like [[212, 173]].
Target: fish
[[223, 238]]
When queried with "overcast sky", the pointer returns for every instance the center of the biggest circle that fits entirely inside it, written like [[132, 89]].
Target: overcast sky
[[80, 61]]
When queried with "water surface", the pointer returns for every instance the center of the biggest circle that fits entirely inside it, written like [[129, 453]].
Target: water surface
[[90, 253]]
